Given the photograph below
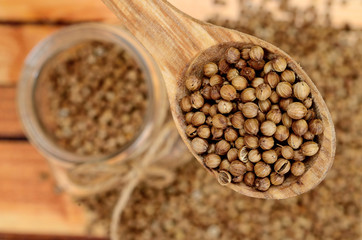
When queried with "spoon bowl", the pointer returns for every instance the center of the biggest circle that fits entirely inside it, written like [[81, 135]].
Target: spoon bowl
[[181, 46]]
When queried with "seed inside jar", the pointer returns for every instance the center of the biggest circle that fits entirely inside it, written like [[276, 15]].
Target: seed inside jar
[[260, 110], [92, 98]]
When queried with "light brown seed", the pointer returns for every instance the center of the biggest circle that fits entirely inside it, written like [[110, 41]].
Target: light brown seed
[[300, 127], [298, 169], [219, 121], [248, 95], [188, 117], [224, 165], [240, 64], [232, 55], [223, 66], [224, 107], [261, 117], [250, 110], [268, 67], [262, 169], [191, 131], [199, 145], [215, 92], [197, 101], [266, 143], [308, 102], [251, 141], [268, 128], [212, 160], [316, 126], [239, 83], [222, 147], [269, 156], [263, 92], [274, 97], [295, 141], [256, 53], [287, 152], [206, 92], [274, 115], [286, 120], [224, 178], [210, 69], [185, 104], [216, 80], [243, 154], [193, 83], [284, 89], [216, 133], [308, 135], [262, 184], [206, 108], [276, 179], [254, 156], [298, 155], [249, 179], [245, 53], [238, 179], [228, 92], [204, 131], [309, 148], [256, 82], [232, 73], [237, 168], [264, 106], [272, 78], [279, 64], [301, 90], [248, 73], [296, 110], [288, 76], [213, 110], [237, 120], [284, 103], [232, 154], [198, 119], [282, 166], [239, 143], [230, 134], [251, 126]]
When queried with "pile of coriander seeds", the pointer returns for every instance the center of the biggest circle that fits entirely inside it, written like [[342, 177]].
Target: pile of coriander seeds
[[251, 118], [92, 98]]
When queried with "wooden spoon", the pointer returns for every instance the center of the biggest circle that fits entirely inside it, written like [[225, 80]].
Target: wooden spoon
[[181, 45]]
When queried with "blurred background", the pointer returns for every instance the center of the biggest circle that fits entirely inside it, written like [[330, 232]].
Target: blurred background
[[324, 36]]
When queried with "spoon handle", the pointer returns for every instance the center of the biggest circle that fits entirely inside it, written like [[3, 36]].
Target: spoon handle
[[171, 36]]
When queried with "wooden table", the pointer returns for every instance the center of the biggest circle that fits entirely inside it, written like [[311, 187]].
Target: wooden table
[[30, 203]]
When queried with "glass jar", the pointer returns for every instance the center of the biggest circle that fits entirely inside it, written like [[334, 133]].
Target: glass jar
[[157, 113]]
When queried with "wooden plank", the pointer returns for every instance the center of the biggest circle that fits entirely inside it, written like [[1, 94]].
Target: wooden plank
[[10, 126], [15, 43], [54, 11], [29, 202]]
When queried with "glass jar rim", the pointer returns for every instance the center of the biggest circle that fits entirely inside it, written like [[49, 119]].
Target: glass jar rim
[[62, 40]]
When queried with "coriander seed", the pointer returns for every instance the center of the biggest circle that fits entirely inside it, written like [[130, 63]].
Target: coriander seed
[[224, 178], [286, 120], [206, 109], [284, 89], [300, 127], [191, 131], [197, 101], [251, 126], [216, 80], [284, 103], [308, 135], [262, 184], [238, 179], [276, 179], [316, 126], [185, 104], [210, 69], [243, 154], [216, 133], [206, 92], [279, 64], [264, 106], [188, 117], [309, 148], [263, 92], [298, 155], [261, 117], [256, 82], [212, 160], [262, 169], [251, 141], [250, 110], [308, 102], [239, 143], [282, 166], [310, 115], [268, 67], [256, 53], [222, 147], [245, 53], [237, 168], [272, 78], [193, 83], [219, 121], [240, 64], [248, 95], [249, 179], [297, 169], [295, 141], [224, 107], [274, 115], [248, 73], [198, 119], [232, 55], [269, 156], [224, 165], [213, 110], [287, 152], [232, 154], [215, 92], [274, 97], [199, 145], [254, 156], [223, 66], [249, 166], [230, 134], [301, 90], [228, 92], [239, 83], [296, 110], [204, 131], [237, 120], [232, 73], [288, 76], [268, 128], [266, 143]]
